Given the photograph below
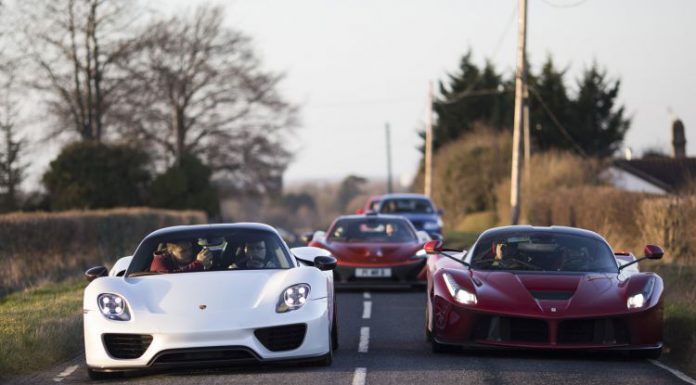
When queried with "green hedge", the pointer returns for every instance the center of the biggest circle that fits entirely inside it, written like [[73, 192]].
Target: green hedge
[[39, 247]]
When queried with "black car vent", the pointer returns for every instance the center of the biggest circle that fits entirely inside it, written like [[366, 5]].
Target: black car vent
[[220, 354], [551, 294], [279, 338], [126, 346]]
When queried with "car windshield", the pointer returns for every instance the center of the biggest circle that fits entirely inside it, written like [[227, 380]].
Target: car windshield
[[407, 205], [543, 252], [371, 230], [210, 251]]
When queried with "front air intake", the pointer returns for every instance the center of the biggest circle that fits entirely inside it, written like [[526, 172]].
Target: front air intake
[[280, 338], [126, 346]]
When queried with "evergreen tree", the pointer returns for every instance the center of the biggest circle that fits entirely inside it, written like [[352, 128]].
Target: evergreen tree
[[597, 123], [549, 86]]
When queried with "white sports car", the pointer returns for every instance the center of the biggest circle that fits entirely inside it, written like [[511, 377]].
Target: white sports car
[[163, 308]]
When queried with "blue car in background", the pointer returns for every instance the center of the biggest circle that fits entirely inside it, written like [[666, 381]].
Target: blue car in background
[[419, 209]]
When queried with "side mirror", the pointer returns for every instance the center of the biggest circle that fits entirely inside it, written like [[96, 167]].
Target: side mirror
[[653, 252], [325, 263], [359, 211], [96, 272], [433, 247]]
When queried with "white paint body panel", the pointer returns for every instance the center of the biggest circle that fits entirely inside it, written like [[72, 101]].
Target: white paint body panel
[[168, 307]]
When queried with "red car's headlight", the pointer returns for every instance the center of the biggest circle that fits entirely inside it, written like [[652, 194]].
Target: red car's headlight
[[460, 294]]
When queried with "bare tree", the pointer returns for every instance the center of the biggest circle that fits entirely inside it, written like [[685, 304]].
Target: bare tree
[[196, 87], [11, 148], [74, 46]]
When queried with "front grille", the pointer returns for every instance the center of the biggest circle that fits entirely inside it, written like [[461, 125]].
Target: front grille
[[203, 355], [548, 294], [126, 346], [510, 329], [593, 331], [279, 338]]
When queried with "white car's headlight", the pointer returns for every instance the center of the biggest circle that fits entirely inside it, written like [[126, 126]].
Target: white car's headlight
[[431, 226], [293, 298], [638, 300], [113, 307], [460, 294]]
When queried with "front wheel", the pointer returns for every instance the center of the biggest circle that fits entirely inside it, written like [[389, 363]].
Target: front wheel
[[334, 328]]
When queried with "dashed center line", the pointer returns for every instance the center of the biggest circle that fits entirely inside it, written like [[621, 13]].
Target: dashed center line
[[364, 339], [367, 309], [68, 371], [367, 295], [360, 376]]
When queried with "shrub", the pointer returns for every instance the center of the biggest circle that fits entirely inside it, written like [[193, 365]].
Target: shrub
[[36, 247], [186, 186], [90, 175]]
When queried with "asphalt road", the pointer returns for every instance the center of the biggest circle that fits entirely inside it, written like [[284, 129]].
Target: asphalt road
[[384, 343]]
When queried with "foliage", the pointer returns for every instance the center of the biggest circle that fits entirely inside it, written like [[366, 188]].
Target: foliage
[[588, 121], [94, 175], [35, 247], [40, 327], [12, 169], [197, 87], [185, 185], [350, 187]]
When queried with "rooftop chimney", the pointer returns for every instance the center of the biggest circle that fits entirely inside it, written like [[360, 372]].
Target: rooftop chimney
[[678, 139]]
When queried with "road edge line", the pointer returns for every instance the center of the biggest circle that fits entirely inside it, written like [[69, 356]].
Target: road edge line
[[677, 373]]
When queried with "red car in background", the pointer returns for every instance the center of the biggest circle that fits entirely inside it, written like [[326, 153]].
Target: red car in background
[[375, 250], [527, 287]]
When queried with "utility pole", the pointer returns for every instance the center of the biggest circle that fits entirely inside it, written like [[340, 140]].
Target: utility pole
[[527, 140], [520, 85], [389, 166], [429, 142]]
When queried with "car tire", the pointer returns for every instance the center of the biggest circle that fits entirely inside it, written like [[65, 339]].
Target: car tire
[[97, 375]]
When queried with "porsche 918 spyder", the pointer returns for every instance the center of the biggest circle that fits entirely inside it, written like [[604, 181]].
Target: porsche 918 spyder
[[542, 288], [245, 298]]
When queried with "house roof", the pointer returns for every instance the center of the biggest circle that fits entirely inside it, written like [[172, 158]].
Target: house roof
[[670, 174]]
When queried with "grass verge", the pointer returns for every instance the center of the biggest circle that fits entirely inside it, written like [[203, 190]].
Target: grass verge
[[40, 326]]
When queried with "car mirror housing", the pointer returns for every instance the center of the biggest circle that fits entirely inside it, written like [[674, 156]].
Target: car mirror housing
[[95, 272], [325, 263], [653, 252], [433, 247]]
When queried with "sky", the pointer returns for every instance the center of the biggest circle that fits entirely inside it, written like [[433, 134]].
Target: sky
[[354, 66]]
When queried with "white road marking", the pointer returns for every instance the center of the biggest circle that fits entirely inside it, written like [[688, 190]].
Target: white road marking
[[364, 339], [367, 295], [359, 376], [675, 372], [68, 371], [367, 309]]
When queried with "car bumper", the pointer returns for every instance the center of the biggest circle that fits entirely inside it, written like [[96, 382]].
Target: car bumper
[[174, 343], [464, 326], [407, 274]]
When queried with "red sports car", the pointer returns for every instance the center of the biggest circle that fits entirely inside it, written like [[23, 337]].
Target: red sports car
[[545, 288], [377, 250]]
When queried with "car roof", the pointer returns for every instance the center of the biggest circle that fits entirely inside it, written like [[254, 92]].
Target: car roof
[[405, 196], [184, 229], [542, 230], [372, 214]]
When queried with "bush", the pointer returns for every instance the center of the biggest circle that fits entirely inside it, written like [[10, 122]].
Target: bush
[[37, 247], [90, 175], [186, 186]]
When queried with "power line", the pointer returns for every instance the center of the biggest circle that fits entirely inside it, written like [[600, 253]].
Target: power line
[[558, 124]]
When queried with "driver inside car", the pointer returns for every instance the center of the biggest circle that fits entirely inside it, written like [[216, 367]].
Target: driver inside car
[[177, 257], [253, 255]]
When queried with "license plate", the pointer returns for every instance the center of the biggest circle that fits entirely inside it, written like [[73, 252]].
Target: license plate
[[373, 273]]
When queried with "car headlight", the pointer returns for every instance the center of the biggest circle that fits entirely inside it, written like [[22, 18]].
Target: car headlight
[[293, 298], [638, 300], [431, 226], [113, 307], [460, 294]]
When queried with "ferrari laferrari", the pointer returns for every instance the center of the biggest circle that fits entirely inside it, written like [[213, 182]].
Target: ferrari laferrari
[[375, 250], [556, 288], [251, 300]]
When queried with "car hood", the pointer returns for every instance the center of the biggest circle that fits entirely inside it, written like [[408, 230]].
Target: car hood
[[222, 292], [562, 295], [368, 253]]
